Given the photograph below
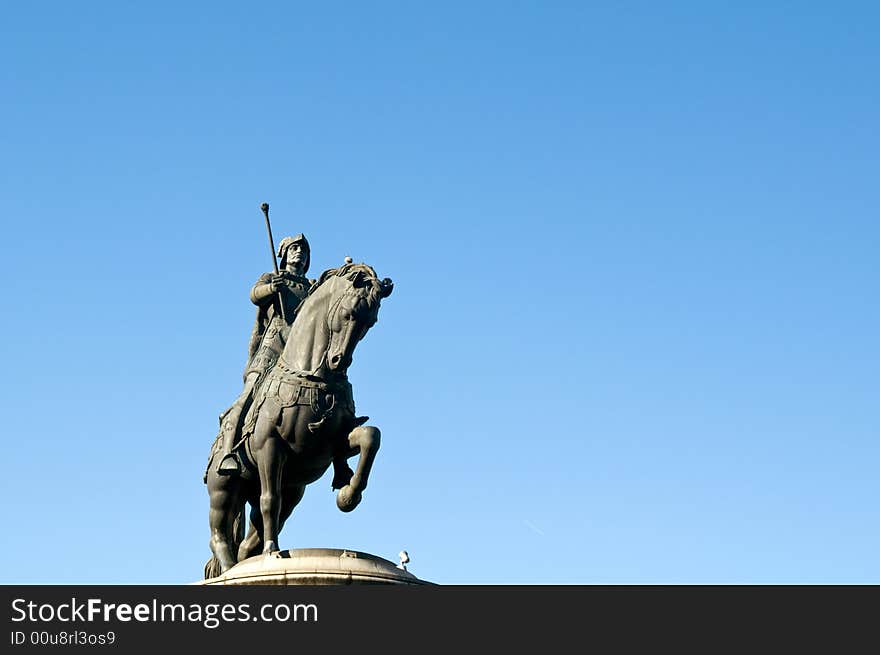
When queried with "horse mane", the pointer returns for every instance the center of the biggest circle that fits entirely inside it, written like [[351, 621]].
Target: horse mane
[[371, 291]]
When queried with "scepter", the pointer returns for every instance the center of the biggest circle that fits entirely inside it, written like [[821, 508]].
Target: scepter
[[265, 208]]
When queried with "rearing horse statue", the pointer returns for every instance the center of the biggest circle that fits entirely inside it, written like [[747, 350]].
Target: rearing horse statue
[[302, 418]]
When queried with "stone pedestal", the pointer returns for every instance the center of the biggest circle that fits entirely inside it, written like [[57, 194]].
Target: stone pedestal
[[315, 566]]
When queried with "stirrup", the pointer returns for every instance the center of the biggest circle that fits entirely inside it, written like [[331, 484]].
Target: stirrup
[[229, 465]]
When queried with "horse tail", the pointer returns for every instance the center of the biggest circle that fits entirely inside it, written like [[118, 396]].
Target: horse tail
[[212, 568]]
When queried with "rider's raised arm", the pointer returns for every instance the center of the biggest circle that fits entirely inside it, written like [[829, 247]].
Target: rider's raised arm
[[262, 293]]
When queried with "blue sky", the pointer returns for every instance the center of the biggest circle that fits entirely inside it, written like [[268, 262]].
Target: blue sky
[[633, 337]]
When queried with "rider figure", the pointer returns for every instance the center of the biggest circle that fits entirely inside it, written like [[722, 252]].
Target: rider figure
[[289, 286]]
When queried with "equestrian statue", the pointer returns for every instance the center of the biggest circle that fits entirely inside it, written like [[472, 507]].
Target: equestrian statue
[[296, 414]]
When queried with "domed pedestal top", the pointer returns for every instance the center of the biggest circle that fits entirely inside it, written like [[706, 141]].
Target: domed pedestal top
[[315, 566]]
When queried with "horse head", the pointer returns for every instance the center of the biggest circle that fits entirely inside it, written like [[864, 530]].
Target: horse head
[[354, 313], [341, 307]]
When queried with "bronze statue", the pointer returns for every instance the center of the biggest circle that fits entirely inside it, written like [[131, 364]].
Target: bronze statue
[[296, 414]]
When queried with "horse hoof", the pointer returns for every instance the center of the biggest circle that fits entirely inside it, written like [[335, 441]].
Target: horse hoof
[[270, 549], [347, 498]]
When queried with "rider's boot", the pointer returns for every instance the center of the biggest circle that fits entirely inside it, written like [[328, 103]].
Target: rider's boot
[[230, 464]]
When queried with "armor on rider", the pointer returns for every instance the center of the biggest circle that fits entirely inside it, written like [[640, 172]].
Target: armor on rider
[[272, 325], [277, 297]]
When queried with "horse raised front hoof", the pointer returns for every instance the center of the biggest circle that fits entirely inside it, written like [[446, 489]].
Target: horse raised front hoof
[[348, 498]]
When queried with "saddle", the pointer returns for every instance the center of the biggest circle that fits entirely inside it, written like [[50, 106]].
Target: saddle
[[289, 388]]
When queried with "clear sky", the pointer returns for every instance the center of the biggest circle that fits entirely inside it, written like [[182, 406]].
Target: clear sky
[[634, 332]]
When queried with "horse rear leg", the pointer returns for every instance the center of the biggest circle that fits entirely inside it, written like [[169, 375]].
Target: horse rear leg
[[221, 515]]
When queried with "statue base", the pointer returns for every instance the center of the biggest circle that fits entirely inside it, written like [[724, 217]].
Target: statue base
[[315, 566]]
